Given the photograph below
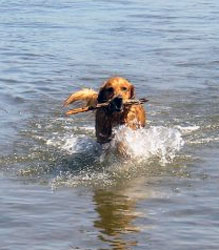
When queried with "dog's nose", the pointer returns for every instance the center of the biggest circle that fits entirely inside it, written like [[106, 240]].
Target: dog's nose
[[118, 99], [118, 96], [116, 104]]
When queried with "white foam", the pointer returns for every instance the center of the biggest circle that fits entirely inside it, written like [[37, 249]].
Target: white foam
[[72, 143], [205, 140], [187, 129], [156, 141]]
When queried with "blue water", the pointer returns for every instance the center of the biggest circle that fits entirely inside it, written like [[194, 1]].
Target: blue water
[[58, 190]]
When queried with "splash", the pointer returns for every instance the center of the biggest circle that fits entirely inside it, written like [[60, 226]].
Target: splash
[[147, 149], [72, 158], [73, 143], [156, 142]]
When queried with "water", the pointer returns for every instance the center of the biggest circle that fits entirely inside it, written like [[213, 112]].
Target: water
[[59, 188]]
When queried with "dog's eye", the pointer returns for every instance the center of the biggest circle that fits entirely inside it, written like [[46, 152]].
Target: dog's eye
[[109, 89], [124, 89]]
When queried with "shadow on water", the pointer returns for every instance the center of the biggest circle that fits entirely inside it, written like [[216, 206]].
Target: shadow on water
[[116, 215], [120, 215]]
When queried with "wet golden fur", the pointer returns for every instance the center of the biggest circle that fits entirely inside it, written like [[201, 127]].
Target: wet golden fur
[[131, 116]]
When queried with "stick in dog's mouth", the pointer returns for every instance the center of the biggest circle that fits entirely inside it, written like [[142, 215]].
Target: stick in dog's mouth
[[105, 104]]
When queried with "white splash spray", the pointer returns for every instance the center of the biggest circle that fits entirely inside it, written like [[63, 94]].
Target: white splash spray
[[155, 142]]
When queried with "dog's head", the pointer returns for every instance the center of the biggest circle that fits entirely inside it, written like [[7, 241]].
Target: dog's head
[[116, 90]]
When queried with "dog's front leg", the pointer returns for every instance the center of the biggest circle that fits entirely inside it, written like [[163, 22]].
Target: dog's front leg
[[103, 126]]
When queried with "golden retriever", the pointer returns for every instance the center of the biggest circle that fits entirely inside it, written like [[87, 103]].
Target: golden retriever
[[115, 90]]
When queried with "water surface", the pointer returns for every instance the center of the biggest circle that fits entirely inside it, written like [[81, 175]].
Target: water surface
[[59, 188]]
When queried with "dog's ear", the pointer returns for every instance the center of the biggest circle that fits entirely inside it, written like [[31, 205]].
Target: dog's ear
[[101, 96], [132, 92]]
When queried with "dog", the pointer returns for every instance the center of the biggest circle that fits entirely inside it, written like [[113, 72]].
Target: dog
[[116, 91]]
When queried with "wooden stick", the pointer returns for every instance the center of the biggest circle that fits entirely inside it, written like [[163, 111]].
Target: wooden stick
[[105, 104]]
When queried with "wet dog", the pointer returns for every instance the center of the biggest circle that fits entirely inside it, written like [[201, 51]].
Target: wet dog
[[116, 91]]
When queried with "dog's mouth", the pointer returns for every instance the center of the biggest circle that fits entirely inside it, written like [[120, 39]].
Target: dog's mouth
[[116, 104]]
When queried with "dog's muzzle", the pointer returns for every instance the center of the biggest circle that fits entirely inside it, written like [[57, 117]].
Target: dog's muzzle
[[116, 104]]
